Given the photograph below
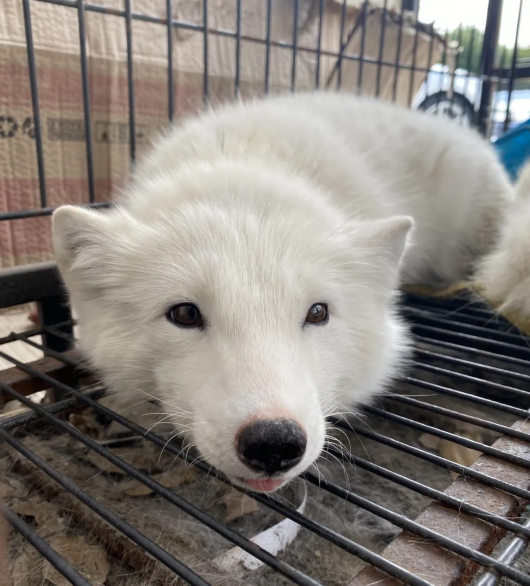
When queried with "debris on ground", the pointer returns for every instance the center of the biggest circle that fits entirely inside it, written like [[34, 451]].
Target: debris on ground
[[90, 560], [237, 504], [451, 451]]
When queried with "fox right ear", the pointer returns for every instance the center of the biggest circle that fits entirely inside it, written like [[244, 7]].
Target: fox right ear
[[379, 246], [90, 247], [80, 237]]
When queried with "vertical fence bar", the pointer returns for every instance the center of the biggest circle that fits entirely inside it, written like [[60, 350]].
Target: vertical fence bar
[[130, 81], [53, 311], [205, 88], [469, 62], [446, 41], [237, 80], [487, 61], [457, 63], [502, 62], [431, 48], [296, 18], [170, 80], [444, 62], [413, 65], [429, 56], [344, 12], [398, 51], [268, 47], [322, 8], [504, 54], [86, 100], [30, 48], [381, 50], [513, 66], [364, 18]]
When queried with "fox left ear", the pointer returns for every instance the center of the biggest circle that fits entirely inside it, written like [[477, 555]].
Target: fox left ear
[[382, 243], [390, 237], [89, 247]]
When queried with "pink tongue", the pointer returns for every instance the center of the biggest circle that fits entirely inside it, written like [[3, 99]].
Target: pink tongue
[[263, 485]]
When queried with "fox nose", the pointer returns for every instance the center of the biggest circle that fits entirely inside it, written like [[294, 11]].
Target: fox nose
[[271, 445]]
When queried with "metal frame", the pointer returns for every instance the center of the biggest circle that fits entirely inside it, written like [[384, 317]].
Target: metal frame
[[491, 74], [460, 326], [434, 320]]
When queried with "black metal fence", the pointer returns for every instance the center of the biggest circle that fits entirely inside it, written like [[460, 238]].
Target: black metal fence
[[492, 74], [460, 342], [472, 342]]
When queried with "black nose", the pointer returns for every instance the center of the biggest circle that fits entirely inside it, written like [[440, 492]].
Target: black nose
[[271, 445]]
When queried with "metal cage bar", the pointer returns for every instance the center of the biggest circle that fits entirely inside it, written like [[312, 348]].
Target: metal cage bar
[[489, 53], [239, 16], [296, 19], [35, 102], [130, 80], [352, 548], [460, 326], [205, 44], [129, 16], [268, 47], [348, 545], [86, 102], [59, 563], [513, 67], [381, 49], [398, 52], [133, 534], [170, 66]]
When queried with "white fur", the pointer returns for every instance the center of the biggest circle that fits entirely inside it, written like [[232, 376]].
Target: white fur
[[504, 275], [255, 212]]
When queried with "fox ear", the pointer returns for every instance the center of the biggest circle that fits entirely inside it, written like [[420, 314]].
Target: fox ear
[[87, 246], [78, 235], [383, 243], [390, 237]]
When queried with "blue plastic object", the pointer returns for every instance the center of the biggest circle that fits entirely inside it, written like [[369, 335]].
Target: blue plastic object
[[514, 148]]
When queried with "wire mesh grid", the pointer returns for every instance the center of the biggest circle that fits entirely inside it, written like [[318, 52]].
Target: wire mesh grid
[[460, 344], [453, 338], [496, 70]]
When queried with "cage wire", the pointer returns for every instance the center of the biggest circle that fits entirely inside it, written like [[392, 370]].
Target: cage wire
[[430, 484]]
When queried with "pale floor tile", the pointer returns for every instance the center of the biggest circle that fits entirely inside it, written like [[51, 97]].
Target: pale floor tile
[[17, 322]]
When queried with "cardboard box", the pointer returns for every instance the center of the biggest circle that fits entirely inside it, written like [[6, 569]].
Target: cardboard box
[[57, 54]]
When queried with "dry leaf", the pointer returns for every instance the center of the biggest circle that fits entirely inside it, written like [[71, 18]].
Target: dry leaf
[[45, 514], [171, 479], [431, 442], [27, 569], [28, 508], [20, 489], [143, 457], [237, 504], [86, 423], [13, 405], [102, 463], [6, 490], [89, 560], [137, 489], [459, 454], [451, 451], [114, 429], [5, 530], [20, 571]]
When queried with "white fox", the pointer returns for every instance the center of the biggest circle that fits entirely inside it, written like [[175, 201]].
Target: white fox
[[247, 277]]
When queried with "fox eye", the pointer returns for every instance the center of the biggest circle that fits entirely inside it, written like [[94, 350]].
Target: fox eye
[[317, 314], [185, 315]]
